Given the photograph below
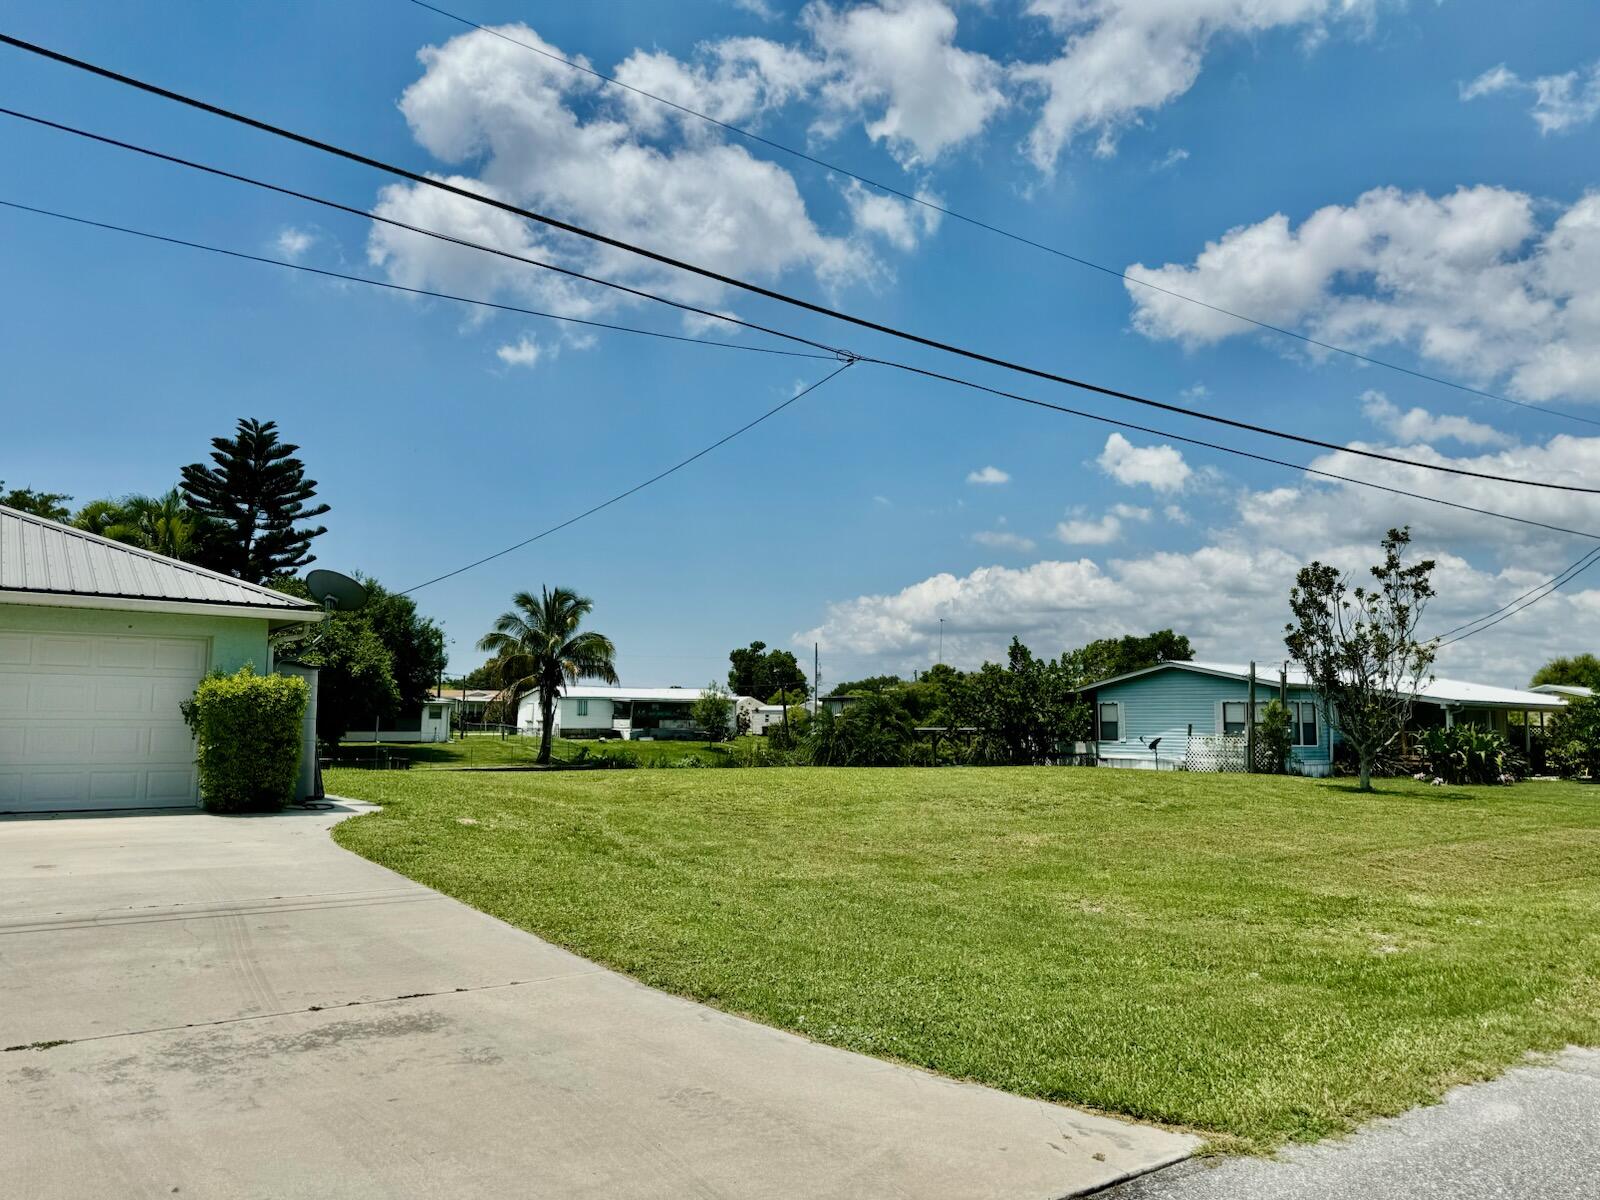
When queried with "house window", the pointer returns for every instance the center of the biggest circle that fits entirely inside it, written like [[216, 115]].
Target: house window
[[1111, 722], [1233, 717], [1305, 722], [583, 708], [435, 712]]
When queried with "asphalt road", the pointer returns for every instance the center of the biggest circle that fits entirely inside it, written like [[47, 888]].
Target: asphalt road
[[1532, 1134]]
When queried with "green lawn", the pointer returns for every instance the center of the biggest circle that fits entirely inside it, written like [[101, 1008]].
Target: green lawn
[[490, 750], [1265, 959]]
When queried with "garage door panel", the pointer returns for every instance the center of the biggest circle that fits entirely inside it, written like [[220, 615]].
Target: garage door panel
[[57, 651], [92, 721], [121, 698], [170, 744], [170, 787], [114, 654]]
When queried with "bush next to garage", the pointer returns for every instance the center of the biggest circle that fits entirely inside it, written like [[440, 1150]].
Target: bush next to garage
[[249, 731]]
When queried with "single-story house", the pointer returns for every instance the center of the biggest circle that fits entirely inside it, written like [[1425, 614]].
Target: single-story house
[[1569, 690], [1185, 706], [837, 704], [99, 642], [763, 717], [472, 703], [623, 712], [431, 721]]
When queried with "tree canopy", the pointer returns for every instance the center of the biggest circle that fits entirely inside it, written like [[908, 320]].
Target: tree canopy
[[1579, 670], [258, 494], [52, 506], [763, 673]]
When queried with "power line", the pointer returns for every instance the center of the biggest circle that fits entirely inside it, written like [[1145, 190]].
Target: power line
[[1022, 239], [840, 353], [395, 287], [638, 487], [754, 288], [1520, 604]]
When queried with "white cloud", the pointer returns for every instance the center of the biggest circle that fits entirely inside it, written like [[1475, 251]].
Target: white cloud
[[525, 352], [1176, 514], [1130, 512], [554, 139], [1420, 425], [1123, 58], [1003, 539], [1229, 594], [1160, 467], [1173, 157], [1471, 281], [896, 64], [989, 476], [1083, 531], [292, 243], [1560, 102], [741, 79], [899, 222]]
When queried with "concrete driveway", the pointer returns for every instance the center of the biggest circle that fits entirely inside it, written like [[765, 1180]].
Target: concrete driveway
[[235, 1007]]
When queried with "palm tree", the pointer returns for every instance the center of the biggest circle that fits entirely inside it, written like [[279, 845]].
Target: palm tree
[[537, 647], [165, 524]]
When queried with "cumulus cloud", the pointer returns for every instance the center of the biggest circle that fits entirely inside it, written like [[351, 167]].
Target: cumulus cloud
[[525, 352], [1473, 281], [292, 243], [1123, 58], [896, 64], [1159, 467], [1560, 102], [901, 223], [1420, 425], [1081, 530], [989, 476], [1004, 539], [547, 137], [1229, 594]]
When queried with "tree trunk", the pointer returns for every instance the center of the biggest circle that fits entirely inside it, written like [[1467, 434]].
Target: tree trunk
[[1366, 774], [547, 710]]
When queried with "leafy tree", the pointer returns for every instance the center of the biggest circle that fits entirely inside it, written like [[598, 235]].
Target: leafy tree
[[258, 494], [713, 712], [1573, 745], [1580, 670], [870, 686], [1359, 649], [163, 524], [538, 647], [875, 731], [377, 660], [1023, 711], [763, 673], [1274, 737], [356, 681], [1110, 657], [52, 506]]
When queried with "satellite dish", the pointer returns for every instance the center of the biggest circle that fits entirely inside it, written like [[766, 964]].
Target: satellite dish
[[335, 591]]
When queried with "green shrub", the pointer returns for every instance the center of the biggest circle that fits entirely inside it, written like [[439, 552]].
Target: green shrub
[[1572, 747], [1274, 737], [1463, 754], [248, 727]]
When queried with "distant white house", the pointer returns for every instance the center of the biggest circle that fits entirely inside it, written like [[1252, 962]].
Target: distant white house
[[430, 722], [624, 712], [1571, 690], [763, 717]]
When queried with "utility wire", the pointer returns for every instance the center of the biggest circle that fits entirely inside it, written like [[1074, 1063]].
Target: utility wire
[[1520, 604], [744, 285], [842, 354], [395, 287], [638, 487], [935, 206], [417, 229]]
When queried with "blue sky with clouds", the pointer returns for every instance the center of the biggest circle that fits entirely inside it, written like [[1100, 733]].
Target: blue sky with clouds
[[1411, 180]]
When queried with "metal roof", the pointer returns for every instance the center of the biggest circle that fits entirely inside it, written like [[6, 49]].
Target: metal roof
[[1436, 691], [46, 562], [1563, 689], [597, 692]]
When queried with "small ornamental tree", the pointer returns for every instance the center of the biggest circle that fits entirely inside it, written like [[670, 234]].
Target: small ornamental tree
[[248, 731], [1359, 649], [713, 712]]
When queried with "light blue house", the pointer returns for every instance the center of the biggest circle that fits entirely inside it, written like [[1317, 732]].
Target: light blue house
[[1187, 705]]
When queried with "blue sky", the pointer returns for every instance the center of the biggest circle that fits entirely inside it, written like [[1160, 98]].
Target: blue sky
[[1126, 133]]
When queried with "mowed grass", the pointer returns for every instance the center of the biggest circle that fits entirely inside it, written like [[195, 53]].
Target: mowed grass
[[1264, 959], [490, 750]]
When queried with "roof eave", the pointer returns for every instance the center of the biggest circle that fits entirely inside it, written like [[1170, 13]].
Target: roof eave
[[283, 615]]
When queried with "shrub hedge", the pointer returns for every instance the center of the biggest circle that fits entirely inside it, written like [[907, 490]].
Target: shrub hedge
[[248, 728]]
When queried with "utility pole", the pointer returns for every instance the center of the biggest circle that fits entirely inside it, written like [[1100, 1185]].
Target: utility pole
[[1250, 725], [941, 639], [816, 679]]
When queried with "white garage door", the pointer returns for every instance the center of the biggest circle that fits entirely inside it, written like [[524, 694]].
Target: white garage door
[[91, 721]]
